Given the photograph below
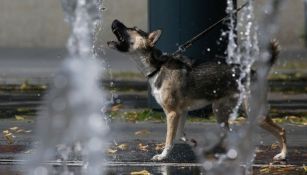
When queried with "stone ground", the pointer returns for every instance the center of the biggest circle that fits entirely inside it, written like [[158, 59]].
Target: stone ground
[[16, 66]]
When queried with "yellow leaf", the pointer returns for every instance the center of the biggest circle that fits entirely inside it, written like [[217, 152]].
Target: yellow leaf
[[19, 117], [14, 128], [116, 108], [9, 137], [142, 132], [20, 131], [143, 147], [111, 151], [274, 146], [305, 168], [24, 86], [143, 172], [6, 132], [265, 169], [123, 146]]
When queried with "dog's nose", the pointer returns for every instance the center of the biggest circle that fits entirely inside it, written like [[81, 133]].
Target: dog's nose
[[117, 24]]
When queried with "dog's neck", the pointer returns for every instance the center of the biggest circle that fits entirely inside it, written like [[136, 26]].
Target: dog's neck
[[149, 61]]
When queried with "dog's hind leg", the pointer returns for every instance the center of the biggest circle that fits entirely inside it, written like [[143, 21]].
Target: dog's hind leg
[[223, 108], [172, 124], [279, 133], [180, 131]]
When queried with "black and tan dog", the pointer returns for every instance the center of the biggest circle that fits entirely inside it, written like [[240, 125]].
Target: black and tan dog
[[180, 87]]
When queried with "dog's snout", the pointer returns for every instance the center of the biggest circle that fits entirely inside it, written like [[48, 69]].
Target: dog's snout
[[117, 25]]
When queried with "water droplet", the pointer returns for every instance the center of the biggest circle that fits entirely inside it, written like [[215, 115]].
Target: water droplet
[[208, 165], [208, 49], [40, 171], [232, 154]]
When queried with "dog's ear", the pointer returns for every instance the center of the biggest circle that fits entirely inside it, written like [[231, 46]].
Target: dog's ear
[[153, 37]]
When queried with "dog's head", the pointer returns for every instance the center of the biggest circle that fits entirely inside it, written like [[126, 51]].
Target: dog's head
[[132, 39]]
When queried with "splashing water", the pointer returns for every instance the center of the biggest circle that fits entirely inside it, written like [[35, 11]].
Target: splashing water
[[247, 53], [73, 124], [243, 49]]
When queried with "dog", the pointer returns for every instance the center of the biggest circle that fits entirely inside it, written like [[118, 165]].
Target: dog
[[179, 85]]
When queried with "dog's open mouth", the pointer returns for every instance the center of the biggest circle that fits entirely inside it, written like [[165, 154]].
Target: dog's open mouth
[[118, 35], [119, 30]]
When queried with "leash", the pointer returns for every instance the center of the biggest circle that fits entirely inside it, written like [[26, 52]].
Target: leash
[[190, 42]]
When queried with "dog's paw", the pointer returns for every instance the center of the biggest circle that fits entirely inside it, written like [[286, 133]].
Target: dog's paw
[[158, 157], [280, 156]]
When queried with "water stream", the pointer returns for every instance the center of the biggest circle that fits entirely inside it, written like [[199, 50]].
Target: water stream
[[73, 126], [245, 48]]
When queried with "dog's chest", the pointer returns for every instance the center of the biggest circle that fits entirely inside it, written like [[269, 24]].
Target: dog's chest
[[186, 102]]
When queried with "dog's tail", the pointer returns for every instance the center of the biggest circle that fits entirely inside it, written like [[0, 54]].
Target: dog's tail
[[274, 48]]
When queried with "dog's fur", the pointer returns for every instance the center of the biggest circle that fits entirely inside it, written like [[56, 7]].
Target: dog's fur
[[180, 87]]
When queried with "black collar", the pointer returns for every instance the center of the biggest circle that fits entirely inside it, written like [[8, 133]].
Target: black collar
[[158, 59], [153, 73]]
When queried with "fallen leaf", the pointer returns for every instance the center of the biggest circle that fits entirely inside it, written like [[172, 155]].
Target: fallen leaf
[[123, 146], [159, 146], [265, 169], [28, 151], [111, 151], [305, 168], [142, 132], [5, 131], [19, 117], [24, 86], [20, 131], [143, 147], [143, 172], [9, 137], [14, 128], [274, 146], [116, 108]]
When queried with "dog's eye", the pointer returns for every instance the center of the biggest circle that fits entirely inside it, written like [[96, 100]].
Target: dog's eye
[[131, 43]]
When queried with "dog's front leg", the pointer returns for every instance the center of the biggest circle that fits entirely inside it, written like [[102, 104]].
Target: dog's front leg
[[180, 132], [172, 123]]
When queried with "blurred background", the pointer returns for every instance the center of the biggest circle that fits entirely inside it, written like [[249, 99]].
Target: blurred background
[[33, 33]]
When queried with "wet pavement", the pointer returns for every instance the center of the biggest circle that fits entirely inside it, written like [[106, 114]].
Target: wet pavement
[[143, 140]]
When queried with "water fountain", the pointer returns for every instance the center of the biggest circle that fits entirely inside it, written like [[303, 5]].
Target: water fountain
[[73, 124], [244, 49]]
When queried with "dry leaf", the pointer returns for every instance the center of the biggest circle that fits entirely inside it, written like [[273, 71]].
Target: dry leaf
[[9, 137], [116, 108], [111, 151], [123, 146], [142, 132], [24, 86], [274, 146], [159, 146], [19, 117], [6, 132], [20, 131], [14, 128], [28, 151], [143, 172], [265, 169], [143, 147], [305, 168]]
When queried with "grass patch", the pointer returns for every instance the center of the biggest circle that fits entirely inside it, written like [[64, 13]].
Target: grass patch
[[127, 75]]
